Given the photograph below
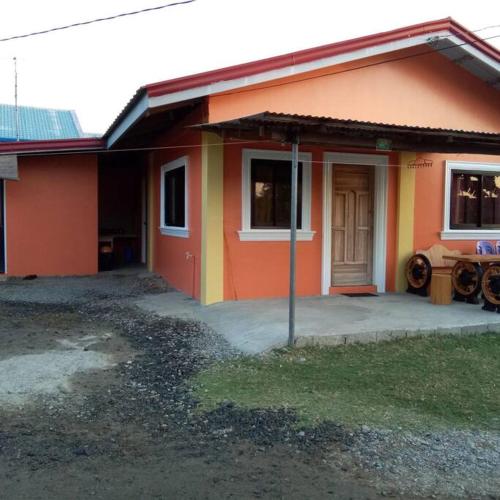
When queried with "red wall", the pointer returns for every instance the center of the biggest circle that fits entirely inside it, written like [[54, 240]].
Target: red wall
[[51, 215], [178, 259]]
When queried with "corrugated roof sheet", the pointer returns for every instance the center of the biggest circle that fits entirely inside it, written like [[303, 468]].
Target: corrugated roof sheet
[[290, 119], [38, 124], [344, 132], [416, 128]]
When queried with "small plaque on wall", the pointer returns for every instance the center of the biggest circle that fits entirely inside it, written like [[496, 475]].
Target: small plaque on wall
[[420, 163], [383, 144]]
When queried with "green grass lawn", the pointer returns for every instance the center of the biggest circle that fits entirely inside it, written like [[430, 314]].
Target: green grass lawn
[[413, 383]]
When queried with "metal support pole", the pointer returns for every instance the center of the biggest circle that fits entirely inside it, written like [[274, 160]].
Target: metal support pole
[[293, 241], [16, 106]]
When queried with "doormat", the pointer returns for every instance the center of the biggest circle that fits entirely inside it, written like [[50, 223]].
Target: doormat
[[362, 294]]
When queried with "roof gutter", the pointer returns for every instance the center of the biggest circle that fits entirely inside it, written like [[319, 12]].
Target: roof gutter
[[51, 146]]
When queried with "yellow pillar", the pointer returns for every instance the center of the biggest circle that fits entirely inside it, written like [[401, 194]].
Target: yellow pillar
[[150, 214], [405, 217], [212, 230]]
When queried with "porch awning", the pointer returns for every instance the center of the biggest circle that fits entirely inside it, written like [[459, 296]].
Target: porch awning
[[338, 132], [8, 167]]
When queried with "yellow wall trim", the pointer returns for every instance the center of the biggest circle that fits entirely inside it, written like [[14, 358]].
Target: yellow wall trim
[[212, 215], [405, 217]]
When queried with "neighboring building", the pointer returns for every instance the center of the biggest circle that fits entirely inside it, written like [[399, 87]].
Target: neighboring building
[[38, 124], [193, 177]]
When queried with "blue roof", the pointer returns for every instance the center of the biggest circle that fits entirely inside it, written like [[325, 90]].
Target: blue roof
[[38, 124]]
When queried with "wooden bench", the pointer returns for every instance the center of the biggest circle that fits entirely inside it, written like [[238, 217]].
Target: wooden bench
[[421, 266]]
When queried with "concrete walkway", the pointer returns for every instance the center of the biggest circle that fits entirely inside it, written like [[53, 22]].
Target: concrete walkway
[[255, 326]]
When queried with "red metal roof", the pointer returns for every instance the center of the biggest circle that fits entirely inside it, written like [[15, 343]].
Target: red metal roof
[[76, 145], [303, 56]]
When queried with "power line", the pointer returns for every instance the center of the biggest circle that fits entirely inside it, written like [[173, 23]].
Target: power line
[[152, 149], [260, 87], [487, 28], [128, 150], [369, 65], [132, 13], [98, 20]]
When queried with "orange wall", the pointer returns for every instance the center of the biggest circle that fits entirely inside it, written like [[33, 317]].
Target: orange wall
[[51, 216], [429, 201], [178, 260], [426, 90], [261, 269]]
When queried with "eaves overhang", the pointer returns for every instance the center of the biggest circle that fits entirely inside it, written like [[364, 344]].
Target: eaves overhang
[[332, 132], [135, 109]]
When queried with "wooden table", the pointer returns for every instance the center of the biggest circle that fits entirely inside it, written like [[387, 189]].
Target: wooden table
[[473, 258], [474, 273]]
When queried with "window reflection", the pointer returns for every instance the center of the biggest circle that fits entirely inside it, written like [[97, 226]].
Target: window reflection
[[271, 194], [474, 200]]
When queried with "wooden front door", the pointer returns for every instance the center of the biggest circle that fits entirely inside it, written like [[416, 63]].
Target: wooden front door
[[352, 230]]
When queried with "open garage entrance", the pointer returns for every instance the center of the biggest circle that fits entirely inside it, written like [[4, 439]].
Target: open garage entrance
[[122, 211]]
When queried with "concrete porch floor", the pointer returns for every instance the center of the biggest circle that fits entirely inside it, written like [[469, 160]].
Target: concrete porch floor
[[255, 326]]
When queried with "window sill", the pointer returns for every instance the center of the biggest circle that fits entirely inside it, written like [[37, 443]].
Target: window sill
[[274, 235], [470, 234], [179, 232]]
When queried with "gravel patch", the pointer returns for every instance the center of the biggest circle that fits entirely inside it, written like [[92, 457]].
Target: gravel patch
[[81, 289], [23, 378], [453, 463]]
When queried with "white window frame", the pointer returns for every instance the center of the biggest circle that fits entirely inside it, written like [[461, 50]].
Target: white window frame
[[180, 232], [247, 233], [465, 234]]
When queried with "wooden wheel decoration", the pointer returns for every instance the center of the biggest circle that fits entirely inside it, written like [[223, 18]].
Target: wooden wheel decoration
[[491, 284], [466, 278], [418, 273]]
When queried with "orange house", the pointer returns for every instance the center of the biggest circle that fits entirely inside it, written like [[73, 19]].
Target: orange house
[[399, 148]]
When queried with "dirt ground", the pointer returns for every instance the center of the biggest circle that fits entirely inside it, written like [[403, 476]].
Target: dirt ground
[[108, 413]]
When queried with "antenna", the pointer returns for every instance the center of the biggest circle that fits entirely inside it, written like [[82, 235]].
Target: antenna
[[16, 107]]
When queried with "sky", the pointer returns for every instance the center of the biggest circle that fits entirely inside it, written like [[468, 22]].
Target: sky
[[96, 69]]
